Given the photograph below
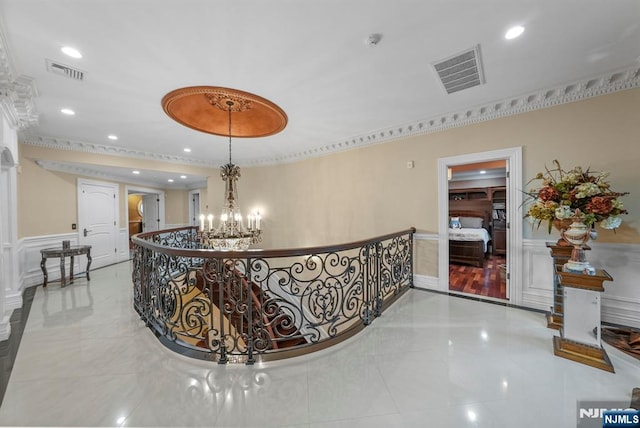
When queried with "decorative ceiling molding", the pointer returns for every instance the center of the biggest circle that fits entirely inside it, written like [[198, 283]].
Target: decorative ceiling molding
[[208, 109], [91, 172], [608, 83], [17, 94], [27, 137]]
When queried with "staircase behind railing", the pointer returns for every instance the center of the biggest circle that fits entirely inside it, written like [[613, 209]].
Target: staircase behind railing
[[260, 305]]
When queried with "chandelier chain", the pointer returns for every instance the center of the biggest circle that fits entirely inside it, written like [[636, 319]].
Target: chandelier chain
[[230, 104]]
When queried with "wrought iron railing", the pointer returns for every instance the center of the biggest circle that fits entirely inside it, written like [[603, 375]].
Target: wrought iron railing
[[260, 305]]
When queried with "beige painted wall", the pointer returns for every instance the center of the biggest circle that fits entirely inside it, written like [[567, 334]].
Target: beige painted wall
[[369, 191], [176, 206], [41, 190], [47, 201]]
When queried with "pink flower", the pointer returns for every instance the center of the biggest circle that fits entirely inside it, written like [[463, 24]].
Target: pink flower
[[548, 193], [600, 205]]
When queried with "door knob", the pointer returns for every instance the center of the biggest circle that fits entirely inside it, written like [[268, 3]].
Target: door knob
[[85, 231]]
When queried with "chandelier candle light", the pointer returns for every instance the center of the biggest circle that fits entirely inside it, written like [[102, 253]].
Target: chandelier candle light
[[200, 108]]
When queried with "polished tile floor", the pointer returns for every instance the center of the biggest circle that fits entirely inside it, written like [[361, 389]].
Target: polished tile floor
[[430, 361]]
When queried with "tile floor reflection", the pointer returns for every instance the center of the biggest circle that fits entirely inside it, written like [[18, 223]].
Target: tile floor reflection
[[430, 361]]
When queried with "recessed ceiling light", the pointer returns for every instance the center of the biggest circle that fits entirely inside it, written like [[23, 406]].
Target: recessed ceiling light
[[187, 150], [170, 180], [135, 172], [112, 137], [483, 171], [72, 52], [183, 176], [67, 111], [514, 32]]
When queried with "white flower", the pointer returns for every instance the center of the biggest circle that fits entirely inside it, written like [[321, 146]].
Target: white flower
[[612, 222], [564, 211], [586, 190]]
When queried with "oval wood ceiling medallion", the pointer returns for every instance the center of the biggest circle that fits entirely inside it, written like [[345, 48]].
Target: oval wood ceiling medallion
[[206, 109]]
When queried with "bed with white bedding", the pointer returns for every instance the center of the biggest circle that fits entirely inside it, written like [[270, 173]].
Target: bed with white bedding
[[469, 238]]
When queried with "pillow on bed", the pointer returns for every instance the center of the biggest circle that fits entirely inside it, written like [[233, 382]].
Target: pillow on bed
[[454, 223], [471, 222]]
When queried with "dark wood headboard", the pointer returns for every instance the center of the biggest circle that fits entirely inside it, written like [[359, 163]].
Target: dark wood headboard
[[484, 215]]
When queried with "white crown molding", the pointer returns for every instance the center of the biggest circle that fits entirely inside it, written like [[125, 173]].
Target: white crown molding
[[613, 81], [17, 93], [27, 137], [87, 171], [608, 83]]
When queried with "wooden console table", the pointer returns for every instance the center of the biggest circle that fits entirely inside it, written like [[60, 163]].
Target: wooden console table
[[580, 335], [62, 253]]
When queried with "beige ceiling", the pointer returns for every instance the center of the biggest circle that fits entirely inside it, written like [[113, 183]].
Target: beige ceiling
[[312, 58]]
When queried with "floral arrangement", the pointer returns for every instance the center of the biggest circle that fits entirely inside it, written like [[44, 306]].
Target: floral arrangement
[[562, 192]]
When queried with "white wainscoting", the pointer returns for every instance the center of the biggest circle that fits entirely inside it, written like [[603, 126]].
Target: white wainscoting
[[30, 257], [620, 301], [537, 275], [10, 277], [123, 245], [425, 281]]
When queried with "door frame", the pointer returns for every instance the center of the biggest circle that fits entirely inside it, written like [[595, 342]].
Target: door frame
[[513, 156], [132, 190]]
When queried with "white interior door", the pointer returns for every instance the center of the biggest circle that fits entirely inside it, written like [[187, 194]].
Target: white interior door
[[150, 213], [98, 220]]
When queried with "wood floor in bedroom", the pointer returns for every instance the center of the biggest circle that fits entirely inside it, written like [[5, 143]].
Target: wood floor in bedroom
[[484, 281]]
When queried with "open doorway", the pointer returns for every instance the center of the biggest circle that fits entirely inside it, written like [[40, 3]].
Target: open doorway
[[477, 236], [145, 210], [492, 204]]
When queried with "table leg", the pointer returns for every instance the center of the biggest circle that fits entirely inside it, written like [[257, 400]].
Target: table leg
[[88, 263], [63, 279], [71, 271], [43, 266]]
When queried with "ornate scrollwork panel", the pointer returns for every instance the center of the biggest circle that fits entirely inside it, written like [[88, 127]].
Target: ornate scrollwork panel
[[249, 307]]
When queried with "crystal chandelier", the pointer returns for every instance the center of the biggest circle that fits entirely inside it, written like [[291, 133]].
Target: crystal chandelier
[[231, 233]]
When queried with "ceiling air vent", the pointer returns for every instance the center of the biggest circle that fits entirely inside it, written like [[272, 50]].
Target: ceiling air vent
[[461, 71], [65, 70]]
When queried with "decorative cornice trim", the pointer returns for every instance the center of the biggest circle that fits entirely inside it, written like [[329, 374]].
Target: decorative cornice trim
[[16, 93], [26, 137], [608, 83], [87, 171]]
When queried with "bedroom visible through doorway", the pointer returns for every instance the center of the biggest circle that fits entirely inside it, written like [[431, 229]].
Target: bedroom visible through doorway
[[477, 235]]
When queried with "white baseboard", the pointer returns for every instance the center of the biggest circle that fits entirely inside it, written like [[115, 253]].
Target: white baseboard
[[13, 300], [426, 282]]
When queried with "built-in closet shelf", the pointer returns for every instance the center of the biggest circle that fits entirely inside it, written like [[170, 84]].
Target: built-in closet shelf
[[464, 194]]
